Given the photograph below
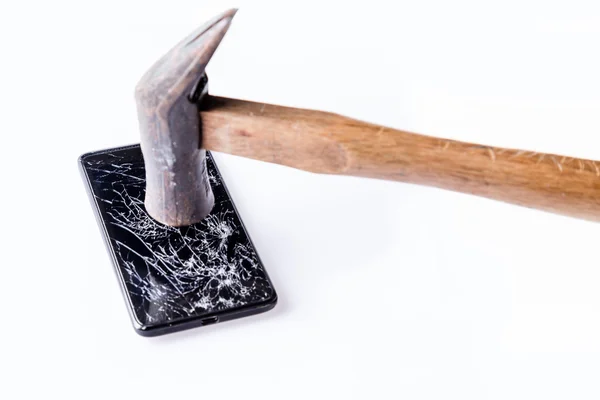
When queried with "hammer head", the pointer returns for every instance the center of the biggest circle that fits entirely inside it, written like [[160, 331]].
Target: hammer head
[[178, 191]]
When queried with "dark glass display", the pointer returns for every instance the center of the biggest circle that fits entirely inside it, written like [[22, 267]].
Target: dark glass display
[[174, 277]]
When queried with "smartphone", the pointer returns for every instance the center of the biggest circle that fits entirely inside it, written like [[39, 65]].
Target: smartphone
[[174, 278]]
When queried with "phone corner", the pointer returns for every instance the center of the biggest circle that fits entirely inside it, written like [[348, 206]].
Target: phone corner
[[81, 159], [144, 330], [269, 303]]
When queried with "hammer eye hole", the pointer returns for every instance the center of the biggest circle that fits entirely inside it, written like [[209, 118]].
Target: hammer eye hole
[[198, 90]]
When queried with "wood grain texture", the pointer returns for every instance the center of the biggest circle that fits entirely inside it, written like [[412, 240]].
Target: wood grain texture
[[328, 143]]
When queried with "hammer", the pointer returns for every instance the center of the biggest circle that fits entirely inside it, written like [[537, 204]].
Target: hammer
[[179, 121]]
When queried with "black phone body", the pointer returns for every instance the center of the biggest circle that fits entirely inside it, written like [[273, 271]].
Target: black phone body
[[174, 278]]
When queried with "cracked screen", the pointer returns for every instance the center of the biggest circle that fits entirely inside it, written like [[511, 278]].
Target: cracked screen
[[173, 273]]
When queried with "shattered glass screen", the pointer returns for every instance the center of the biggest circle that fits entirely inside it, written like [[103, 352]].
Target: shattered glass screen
[[174, 273]]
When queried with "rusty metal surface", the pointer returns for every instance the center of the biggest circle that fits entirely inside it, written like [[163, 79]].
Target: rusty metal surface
[[178, 192]]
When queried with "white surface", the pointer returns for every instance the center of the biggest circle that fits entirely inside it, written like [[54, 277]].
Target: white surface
[[386, 290]]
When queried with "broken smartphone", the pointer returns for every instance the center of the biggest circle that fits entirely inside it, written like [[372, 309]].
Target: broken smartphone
[[174, 278]]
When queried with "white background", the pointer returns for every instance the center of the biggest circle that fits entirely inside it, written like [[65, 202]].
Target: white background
[[386, 290]]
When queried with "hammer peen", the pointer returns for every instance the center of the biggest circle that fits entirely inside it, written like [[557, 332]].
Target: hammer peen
[[179, 121]]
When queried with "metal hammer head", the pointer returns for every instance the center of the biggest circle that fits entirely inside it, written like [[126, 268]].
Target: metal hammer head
[[178, 191]]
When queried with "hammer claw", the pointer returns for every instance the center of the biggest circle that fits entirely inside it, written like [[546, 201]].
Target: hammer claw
[[175, 74], [177, 187]]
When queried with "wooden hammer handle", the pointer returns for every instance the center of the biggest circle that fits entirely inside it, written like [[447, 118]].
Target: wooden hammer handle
[[328, 143]]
